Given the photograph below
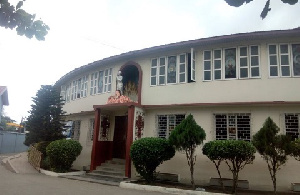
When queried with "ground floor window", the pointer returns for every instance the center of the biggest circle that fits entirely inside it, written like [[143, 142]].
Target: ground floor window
[[166, 123], [292, 125], [234, 126], [75, 130], [91, 129]]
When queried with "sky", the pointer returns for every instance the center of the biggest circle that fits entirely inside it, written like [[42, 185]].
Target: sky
[[82, 32]]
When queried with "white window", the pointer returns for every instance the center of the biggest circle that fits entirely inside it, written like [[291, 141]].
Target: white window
[[91, 130], [167, 123], [292, 124], [173, 69], [284, 60], [63, 92], [84, 86], [231, 63], [107, 80], [74, 90], [68, 92], [193, 65], [101, 81], [153, 76], [94, 81], [75, 130], [207, 66], [182, 68], [233, 126], [217, 64]]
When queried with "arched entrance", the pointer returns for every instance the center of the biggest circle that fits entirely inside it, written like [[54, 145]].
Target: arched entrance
[[132, 81]]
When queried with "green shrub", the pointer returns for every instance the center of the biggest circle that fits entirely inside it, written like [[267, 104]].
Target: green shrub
[[62, 154], [148, 153], [186, 137], [236, 153], [296, 149]]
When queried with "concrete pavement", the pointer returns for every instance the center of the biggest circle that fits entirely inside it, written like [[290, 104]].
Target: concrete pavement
[[20, 177]]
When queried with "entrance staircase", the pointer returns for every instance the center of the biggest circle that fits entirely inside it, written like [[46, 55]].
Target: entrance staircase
[[111, 172]]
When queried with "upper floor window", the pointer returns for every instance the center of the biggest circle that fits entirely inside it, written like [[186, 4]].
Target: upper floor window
[[167, 123], [173, 69], [231, 63], [233, 126], [101, 81], [284, 60], [79, 88]]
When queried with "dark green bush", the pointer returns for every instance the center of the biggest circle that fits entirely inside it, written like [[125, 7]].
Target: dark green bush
[[62, 154], [148, 153]]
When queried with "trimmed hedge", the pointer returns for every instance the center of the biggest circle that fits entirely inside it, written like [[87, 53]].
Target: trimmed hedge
[[62, 154], [148, 153]]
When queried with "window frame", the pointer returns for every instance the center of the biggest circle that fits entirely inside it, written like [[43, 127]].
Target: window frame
[[167, 130]]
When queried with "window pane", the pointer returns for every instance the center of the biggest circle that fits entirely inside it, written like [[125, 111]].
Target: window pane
[[296, 59], [255, 72], [154, 62], [182, 78], [284, 60], [273, 71], [285, 70], [153, 71], [273, 60], [272, 49], [100, 82], [162, 70], [162, 80], [243, 51], [182, 58], [207, 75], [284, 49], [217, 54], [244, 72], [207, 55], [162, 61], [243, 62], [254, 61], [207, 65], [153, 80], [217, 64], [182, 68], [218, 74], [230, 63], [254, 50], [172, 69]]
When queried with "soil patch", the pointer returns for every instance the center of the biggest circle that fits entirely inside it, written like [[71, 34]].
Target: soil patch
[[214, 189]]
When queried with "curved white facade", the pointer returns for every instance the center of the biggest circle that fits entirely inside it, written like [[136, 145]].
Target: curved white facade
[[228, 79]]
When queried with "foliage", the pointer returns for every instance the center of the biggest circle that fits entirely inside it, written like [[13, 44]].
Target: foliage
[[186, 137], [214, 151], [274, 148], [266, 9], [25, 24], [148, 153], [62, 153], [236, 154], [4, 126], [41, 146], [45, 120], [296, 149]]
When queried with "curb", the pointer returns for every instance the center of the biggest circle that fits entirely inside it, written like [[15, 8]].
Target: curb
[[54, 174], [9, 165], [127, 184]]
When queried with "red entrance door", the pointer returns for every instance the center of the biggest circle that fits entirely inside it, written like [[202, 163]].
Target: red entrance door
[[119, 143]]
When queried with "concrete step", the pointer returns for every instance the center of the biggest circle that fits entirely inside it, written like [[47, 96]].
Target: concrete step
[[110, 172], [116, 161], [111, 166], [106, 177]]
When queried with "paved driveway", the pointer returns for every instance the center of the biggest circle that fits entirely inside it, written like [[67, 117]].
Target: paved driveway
[[39, 184]]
